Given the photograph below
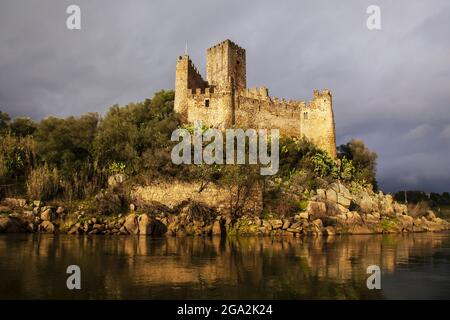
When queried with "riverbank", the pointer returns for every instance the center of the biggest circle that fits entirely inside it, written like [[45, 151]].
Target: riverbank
[[335, 210]]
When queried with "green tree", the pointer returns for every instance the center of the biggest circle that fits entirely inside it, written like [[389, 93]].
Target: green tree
[[4, 121], [137, 135], [66, 144], [364, 160], [22, 127]]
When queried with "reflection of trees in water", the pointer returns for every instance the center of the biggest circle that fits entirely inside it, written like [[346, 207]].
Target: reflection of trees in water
[[252, 268]]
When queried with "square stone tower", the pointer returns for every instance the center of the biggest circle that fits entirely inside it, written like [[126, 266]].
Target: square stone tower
[[225, 64]]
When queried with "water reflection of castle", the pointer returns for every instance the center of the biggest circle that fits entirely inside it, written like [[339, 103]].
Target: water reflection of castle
[[233, 268]]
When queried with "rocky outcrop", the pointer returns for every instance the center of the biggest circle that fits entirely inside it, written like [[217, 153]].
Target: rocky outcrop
[[361, 211], [337, 209]]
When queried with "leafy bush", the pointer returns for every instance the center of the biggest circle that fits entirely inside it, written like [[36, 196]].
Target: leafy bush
[[117, 168], [324, 166]]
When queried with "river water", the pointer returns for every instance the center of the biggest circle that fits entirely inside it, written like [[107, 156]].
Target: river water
[[413, 266]]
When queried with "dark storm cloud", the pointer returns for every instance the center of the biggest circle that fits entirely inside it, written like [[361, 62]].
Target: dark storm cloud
[[391, 87]]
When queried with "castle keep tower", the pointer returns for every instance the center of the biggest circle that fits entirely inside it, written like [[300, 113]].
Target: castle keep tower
[[223, 100], [225, 63]]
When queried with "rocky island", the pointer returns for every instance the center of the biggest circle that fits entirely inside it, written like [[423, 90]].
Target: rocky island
[[332, 211]]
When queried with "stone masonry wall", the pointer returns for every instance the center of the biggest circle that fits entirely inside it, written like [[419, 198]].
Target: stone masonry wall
[[173, 193], [317, 122]]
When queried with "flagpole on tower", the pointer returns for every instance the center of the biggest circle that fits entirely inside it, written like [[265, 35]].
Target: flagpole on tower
[[186, 49]]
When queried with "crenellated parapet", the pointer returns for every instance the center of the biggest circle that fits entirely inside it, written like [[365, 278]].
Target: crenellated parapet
[[255, 93], [224, 44], [206, 92]]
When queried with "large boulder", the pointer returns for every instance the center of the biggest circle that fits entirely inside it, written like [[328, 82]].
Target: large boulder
[[418, 225], [321, 194], [360, 229], [387, 207], [303, 215], [388, 198], [286, 224], [430, 215], [371, 218], [116, 180], [145, 224], [343, 202], [276, 223], [332, 195], [316, 208], [315, 228], [400, 208], [37, 203], [318, 223], [11, 225], [47, 215], [405, 222], [365, 203], [353, 217], [341, 194], [47, 227], [98, 226], [266, 227], [131, 224], [15, 202]]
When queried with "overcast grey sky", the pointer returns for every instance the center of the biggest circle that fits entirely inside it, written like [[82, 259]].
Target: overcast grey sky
[[390, 87]]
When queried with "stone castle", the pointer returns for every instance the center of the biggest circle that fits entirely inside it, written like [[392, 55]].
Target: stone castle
[[224, 101]]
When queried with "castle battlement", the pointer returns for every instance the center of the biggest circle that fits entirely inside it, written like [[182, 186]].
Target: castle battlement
[[202, 91], [223, 100], [257, 93], [225, 43]]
